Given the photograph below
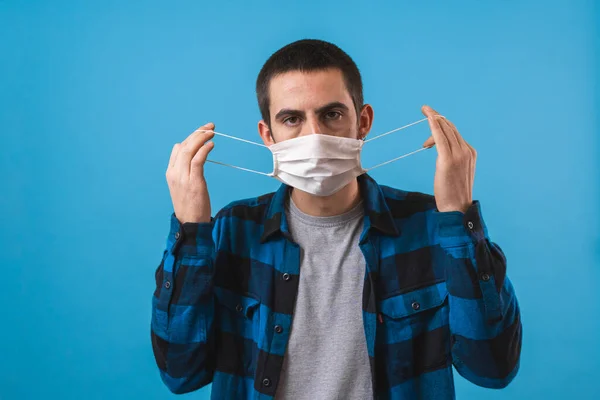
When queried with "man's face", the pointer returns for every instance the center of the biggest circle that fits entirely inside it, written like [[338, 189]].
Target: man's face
[[314, 102]]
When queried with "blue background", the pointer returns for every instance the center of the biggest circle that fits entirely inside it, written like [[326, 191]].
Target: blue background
[[94, 95]]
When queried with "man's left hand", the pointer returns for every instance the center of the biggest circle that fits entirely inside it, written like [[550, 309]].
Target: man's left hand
[[455, 165]]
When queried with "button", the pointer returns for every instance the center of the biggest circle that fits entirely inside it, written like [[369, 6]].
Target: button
[[177, 235], [278, 328], [485, 277], [239, 308], [286, 277], [167, 285], [470, 225], [415, 305], [266, 382]]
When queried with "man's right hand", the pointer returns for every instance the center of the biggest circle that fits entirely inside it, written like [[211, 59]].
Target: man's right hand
[[185, 176]]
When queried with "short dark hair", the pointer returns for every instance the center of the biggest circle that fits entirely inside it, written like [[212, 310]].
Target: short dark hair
[[308, 55]]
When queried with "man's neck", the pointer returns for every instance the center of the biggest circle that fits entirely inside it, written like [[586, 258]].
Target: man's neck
[[326, 206]]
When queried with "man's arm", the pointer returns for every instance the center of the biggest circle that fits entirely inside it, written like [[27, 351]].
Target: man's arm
[[183, 304], [484, 314], [183, 308], [485, 320]]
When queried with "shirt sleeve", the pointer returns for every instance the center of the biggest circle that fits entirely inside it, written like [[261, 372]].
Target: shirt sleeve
[[484, 313], [183, 307]]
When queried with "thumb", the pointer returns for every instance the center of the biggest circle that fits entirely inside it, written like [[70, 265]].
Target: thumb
[[429, 142]]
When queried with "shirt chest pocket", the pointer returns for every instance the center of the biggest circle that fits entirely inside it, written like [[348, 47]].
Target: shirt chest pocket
[[412, 336], [408, 315], [236, 313]]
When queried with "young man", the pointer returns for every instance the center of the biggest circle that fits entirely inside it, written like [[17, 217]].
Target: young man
[[333, 287]]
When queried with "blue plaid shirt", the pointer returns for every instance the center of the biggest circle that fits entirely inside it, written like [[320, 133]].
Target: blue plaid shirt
[[435, 296]]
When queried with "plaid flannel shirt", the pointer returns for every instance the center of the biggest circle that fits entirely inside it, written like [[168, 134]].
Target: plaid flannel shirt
[[436, 295]]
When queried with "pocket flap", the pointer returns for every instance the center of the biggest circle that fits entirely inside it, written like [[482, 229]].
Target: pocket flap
[[244, 305], [414, 301]]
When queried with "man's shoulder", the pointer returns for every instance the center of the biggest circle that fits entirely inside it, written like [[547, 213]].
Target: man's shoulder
[[251, 208]]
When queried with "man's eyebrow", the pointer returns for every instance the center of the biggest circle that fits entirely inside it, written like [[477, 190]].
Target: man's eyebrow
[[298, 113], [289, 112], [330, 106]]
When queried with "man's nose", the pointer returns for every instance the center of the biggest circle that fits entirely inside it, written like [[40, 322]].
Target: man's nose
[[311, 126]]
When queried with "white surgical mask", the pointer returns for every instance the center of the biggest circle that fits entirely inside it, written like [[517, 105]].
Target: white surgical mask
[[318, 164]]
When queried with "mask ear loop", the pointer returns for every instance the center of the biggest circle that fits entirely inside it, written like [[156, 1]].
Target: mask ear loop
[[396, 130], [235, 166], [236, 138], [402, 156], [398, 158], [364, 141]]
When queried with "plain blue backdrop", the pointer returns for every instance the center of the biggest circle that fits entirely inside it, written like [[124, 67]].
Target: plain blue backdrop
[[94, 94]]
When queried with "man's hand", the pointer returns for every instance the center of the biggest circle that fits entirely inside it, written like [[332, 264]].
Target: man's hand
[[455, 166], [185, 176]]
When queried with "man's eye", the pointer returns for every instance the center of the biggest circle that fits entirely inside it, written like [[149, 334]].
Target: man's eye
[[333, 115], [291, 120]]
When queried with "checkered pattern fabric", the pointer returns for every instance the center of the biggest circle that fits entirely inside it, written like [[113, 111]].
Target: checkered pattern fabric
[[436, 296]]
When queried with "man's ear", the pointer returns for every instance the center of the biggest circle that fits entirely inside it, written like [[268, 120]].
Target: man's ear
[[365, 121], [265, 133]]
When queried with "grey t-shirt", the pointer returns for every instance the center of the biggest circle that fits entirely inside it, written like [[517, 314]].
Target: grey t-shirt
[[327, 356]]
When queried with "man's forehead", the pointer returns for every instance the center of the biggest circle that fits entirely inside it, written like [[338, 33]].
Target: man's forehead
[[298, 89]]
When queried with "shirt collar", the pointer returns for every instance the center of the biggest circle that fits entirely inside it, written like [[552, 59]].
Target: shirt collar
[[377, 217]]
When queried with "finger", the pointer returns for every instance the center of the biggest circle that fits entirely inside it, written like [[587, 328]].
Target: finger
[[451, 124], [197, 163], [458, 135], [189, 150], [473, 164], [440, 139], [174, 154], [451, 134], [208, 127], [429, 142], [429, 112], [471, 149]]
